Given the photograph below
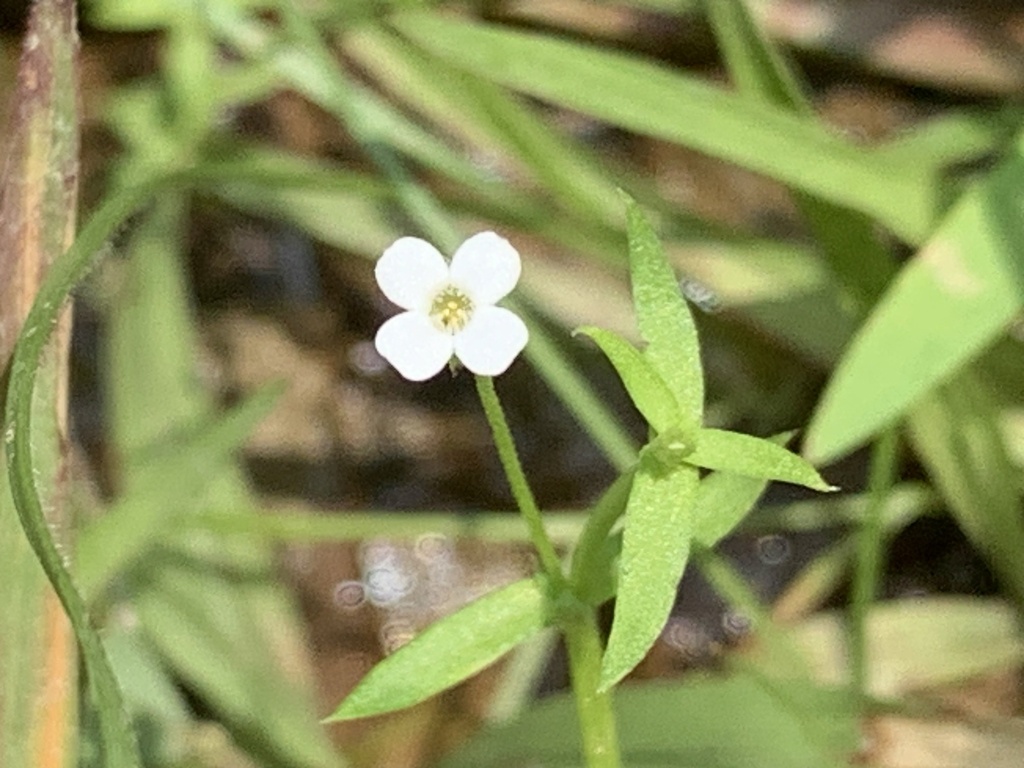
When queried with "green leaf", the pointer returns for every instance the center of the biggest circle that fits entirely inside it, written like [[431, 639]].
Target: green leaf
[[663, 318], [956, 296], [710, 722], [755, 65], [228, 642], [646, 388], [450, 650], [490, 119], [954, 137], [641, 96], [655, 546], [152, 695], [724, 499], [753, 457], [955, 432], [761, 72]]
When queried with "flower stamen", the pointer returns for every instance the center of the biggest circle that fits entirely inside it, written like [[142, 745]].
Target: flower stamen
[[451, 309]]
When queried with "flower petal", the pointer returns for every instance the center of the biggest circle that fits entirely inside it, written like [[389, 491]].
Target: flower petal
[[410, 271], [491, 341], [414, 346], [487, 267]]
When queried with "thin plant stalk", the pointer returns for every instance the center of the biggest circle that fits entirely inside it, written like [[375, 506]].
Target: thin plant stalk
[[597, 718], [525, 500], [870, 545]]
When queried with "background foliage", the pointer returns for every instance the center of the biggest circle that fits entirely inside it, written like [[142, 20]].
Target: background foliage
[[846, 223]]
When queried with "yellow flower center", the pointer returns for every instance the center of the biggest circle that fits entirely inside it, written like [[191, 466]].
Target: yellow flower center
[[451, 309]]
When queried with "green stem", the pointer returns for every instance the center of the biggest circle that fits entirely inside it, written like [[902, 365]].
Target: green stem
[[870, 543], [517, 479], [116, 736], [596, 716]]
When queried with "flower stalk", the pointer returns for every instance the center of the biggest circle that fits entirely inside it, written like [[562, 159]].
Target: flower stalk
[[517, 480], [582, 638]]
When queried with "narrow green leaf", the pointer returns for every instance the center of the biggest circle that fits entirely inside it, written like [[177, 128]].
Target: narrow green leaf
[[655, 547], [450, 650], [149, 347], [956, 434], [664, 319], [956, 296], [755, 65], [490, 118], [652, 100], [230, 643], [754, 457], [761, 72], [646, 388], [724, 499]]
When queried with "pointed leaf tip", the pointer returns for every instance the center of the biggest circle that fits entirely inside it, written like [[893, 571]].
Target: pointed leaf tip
[[648, 391], [754, 457]]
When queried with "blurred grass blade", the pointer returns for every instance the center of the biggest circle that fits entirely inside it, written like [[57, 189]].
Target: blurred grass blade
[[956, 296], [151, 505], [761, 73], [798, 301], [756, 67], [649, 99], [236, 642], [919, 643], [953, 138], [38, 203], [450, 650], [655, 547], [494, 121], [955, 432]]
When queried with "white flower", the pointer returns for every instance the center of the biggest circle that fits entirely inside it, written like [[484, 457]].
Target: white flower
[[450, 308]]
